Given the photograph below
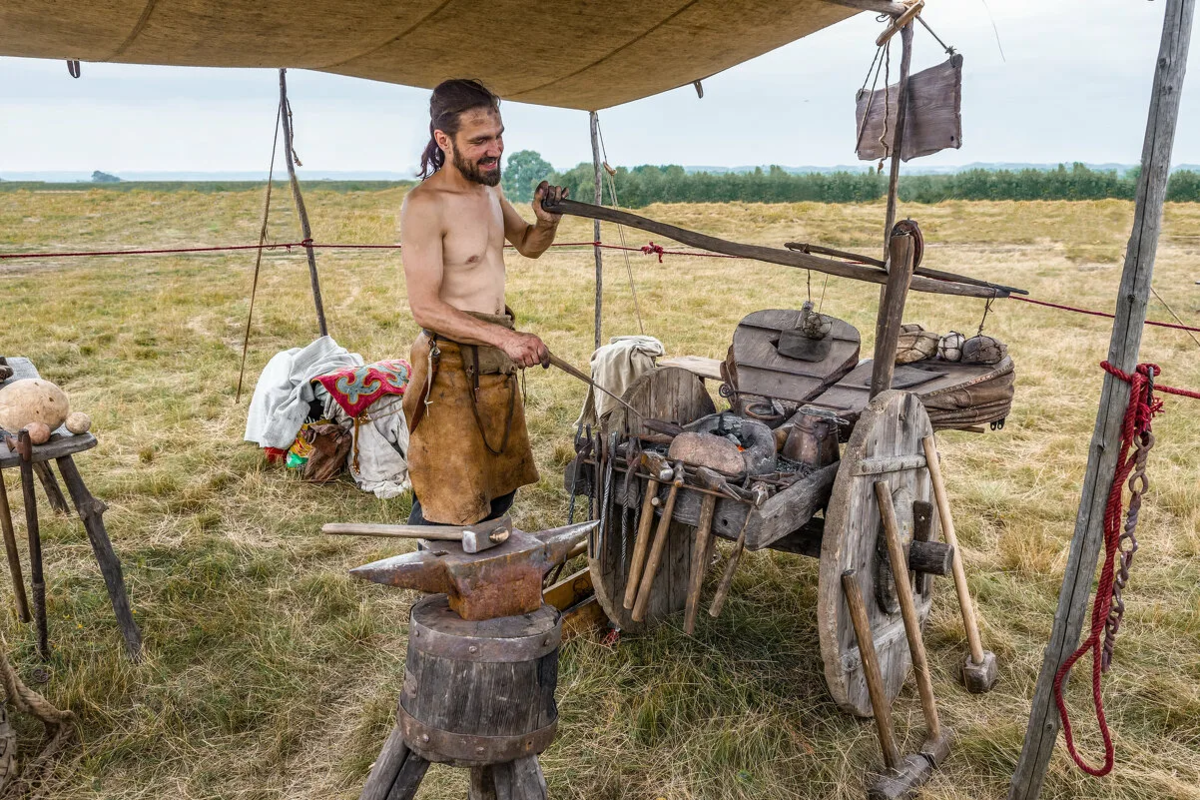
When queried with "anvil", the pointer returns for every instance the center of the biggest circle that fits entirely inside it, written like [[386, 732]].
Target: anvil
[[501, 582]]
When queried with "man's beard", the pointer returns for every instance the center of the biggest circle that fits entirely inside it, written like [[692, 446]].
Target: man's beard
[[472, 172]]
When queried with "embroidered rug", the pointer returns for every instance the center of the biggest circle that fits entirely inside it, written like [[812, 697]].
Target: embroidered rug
[[355, 388]]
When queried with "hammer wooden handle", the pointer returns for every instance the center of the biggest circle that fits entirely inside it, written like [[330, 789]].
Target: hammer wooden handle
[[656, 553], [393, 531], [641, 544], [970, 625], [908, 607]]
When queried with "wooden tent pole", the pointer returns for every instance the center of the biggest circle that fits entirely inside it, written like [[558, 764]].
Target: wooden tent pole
[[899, 252], [594, 120], [1132, 298], [301, 212], [906, 38]]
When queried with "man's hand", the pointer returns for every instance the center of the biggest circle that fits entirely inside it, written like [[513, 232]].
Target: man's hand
[[551, 194], [526, 349]]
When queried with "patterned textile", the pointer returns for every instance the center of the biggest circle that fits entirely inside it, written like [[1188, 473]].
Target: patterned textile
[[355, 388]]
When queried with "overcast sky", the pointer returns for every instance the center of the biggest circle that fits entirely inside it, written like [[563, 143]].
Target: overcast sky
[[1073, 85]]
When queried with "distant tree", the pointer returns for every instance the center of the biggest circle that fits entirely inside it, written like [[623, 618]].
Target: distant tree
[[104, 177], [524, 171]]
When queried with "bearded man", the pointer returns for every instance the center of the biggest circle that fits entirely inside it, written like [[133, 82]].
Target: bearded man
[[469, 447]]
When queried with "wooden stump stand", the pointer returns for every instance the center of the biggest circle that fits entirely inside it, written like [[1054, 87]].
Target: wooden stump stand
[[34, 460], [477, 695]]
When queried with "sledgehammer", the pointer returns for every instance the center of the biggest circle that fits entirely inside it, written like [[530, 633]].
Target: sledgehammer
[[474, 538]]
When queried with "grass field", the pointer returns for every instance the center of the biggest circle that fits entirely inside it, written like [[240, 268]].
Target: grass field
[[270, 674]]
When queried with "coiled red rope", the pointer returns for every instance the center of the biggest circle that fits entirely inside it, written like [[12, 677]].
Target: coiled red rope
[[1136, 424]]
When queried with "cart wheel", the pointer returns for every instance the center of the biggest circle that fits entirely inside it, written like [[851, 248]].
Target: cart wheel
[[885, 446], [674, 395]]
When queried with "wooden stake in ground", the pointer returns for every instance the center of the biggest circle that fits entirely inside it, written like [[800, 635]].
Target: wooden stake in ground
[[301, 212], [594, 120], [1132, 298]]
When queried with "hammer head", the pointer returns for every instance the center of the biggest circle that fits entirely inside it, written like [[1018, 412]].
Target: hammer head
[[502, 581], [486, 535]]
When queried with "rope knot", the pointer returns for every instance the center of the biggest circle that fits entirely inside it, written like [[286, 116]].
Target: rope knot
[[653, 249]]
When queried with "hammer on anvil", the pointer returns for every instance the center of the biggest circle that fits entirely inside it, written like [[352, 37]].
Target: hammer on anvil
[[474, 538], [501, 582]]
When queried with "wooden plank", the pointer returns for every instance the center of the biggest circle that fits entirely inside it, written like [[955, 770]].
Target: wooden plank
[[57, 447], [707, 368], [1124, 344], [570, 590], [769, 255], [791, 508]]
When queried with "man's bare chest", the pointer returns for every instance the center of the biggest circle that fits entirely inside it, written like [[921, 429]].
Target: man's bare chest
[[474, 233]]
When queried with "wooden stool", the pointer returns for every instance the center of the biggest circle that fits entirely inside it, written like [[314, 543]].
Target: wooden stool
[[35, 459], [477, 695]]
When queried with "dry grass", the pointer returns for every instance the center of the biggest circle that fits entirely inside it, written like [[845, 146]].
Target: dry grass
[[270, 674]]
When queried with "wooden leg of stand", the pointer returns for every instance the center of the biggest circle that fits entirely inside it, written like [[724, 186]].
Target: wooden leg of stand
[[14, 558], [386, 767], [91, 511], [54, 494], [482, 784], [36, 578]]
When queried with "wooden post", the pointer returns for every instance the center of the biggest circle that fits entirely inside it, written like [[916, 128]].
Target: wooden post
[[301, 212], [1132, 297], [906, 38], [594, 119], [891, 312]]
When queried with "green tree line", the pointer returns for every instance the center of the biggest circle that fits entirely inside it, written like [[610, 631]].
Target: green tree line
[[641, 186]]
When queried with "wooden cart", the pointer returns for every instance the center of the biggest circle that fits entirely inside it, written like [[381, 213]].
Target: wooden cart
[[830, 513]]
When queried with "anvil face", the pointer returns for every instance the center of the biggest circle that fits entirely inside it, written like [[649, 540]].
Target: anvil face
[[500, 582]]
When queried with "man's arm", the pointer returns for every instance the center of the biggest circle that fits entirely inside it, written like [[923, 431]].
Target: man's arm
[[421, 232], [532, 240]]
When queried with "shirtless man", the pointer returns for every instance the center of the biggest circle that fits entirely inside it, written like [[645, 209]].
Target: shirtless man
[[469, 448]]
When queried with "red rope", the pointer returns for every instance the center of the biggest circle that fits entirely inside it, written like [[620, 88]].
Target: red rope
[[1104, 314], [1138, 415]]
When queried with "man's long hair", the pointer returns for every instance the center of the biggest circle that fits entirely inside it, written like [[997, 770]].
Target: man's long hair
[[446, 105]]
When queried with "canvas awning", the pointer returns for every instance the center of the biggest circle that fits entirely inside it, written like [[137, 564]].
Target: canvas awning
[[586, 54]]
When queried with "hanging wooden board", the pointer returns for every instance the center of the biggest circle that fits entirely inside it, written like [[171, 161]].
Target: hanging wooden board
[[758, 368], [955, 395], [933, 121], [886, 446]]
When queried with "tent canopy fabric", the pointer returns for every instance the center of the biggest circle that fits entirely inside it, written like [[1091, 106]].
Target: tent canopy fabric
[[585, 54]]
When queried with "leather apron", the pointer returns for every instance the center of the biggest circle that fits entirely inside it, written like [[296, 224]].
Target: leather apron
[[468, 443]]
